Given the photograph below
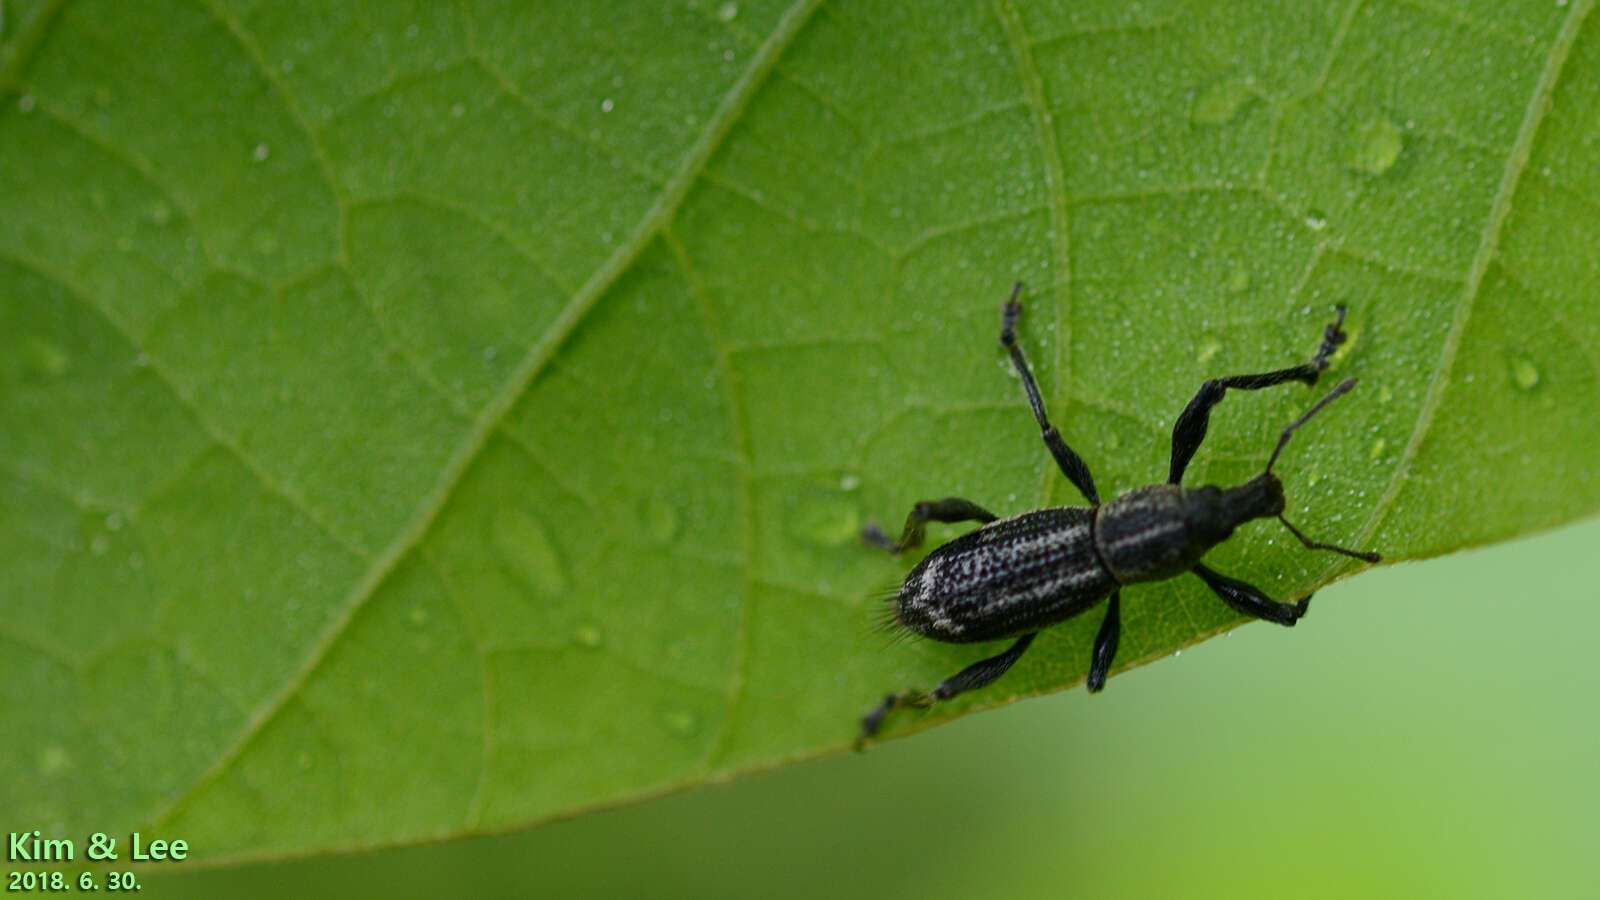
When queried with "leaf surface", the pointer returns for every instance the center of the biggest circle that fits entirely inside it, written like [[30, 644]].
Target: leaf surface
[[417, 421]]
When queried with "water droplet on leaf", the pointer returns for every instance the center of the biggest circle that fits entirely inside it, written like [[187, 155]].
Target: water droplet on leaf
[[825, 518], [526, 552], [681, 722], [589, 635], [1219, 103], [660, 520], [1524, 374], [43, 358], [1374, 146], [53, 758], [1239, 279]]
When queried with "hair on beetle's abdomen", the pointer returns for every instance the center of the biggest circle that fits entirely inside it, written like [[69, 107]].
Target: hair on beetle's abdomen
[[1007, 578]]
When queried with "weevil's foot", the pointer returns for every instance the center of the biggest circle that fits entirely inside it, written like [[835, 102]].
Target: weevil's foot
[[873, 720], [1300, 608], [872, 535], [1009, 314], [1332, 336]]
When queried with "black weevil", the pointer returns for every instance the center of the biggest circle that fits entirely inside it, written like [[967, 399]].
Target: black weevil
[[1012, 577]]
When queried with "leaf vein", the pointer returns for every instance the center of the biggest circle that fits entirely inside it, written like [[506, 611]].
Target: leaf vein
[[1516, 163], [740, 427], [1056, 194], [651, 224]]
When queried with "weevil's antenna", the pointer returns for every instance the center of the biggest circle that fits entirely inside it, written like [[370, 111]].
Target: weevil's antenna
[[1343, 387], [1366, 555]]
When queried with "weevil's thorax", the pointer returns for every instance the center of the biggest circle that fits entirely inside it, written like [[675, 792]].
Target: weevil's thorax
[[1160, 531]]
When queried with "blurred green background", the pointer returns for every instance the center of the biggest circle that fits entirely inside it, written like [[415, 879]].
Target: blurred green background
[[1430, 730]]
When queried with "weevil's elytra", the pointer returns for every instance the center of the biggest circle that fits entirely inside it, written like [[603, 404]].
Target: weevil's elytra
[[1011, 577]]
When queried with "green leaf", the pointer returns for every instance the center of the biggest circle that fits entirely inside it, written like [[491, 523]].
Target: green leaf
[[429, 420]]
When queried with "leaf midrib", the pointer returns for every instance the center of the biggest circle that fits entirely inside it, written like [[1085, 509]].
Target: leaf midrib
[[493, 414], [1488, 246]]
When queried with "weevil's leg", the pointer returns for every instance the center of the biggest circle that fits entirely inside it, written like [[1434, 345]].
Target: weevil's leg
[[1105, 644], [982, 672], [1250, 601], [972, 677], [1366, 555], [1190, 428], [1072, 465], [950, 509]]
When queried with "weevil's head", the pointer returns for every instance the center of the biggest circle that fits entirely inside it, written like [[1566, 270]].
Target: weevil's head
[[1259, 498], [1212, 513]]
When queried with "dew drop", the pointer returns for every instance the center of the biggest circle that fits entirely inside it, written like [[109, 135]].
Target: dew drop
[[260, 153], [53, 758], [1374, 146], [1219, 103], [1316, 219], [849, 482], [114, 522], [727, 12], [265, 241], [43, 358], [526, 552], [681, 722], [826, 519], [660, 520], [589, 635], [1524, 374], [457, 110], [1239, 279], [606, 105]]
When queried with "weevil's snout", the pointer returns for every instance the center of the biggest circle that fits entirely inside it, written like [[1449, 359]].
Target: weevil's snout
[[1259, 498]]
